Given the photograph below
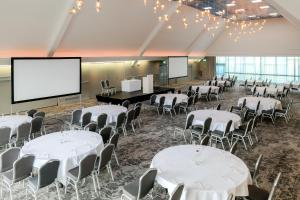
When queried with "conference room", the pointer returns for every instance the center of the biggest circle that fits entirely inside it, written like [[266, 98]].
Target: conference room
[[150, 99]]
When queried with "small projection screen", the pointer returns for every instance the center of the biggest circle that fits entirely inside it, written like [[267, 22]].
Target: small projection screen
[[42, 78], [178, 67]]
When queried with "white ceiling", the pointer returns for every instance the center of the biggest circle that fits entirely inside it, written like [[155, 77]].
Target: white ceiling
[[123, 28]]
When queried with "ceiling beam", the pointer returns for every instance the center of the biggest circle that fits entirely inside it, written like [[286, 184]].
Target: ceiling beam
[[59, 31], [172, 9], [289, 9]]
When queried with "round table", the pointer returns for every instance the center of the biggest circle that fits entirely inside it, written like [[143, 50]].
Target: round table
[[13, 121], [69, 147], [112, 112], [205, 88], [206, 172], [219, 121], [170, 96], [269, 90], [265, 103]]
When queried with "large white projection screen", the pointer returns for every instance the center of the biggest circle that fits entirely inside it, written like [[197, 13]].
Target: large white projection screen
[[41, 78], [178, 67]]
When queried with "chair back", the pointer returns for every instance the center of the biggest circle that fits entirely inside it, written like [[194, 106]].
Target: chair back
[[209, 83], [7, 158], [107, 83], [22, 168], [190, 101], [233, 148], [218, 107], [245, 115], [130, 116], [206, 125], [228, 126], [39, 114], [190, 88], [105, 133], [31, 112], [4, 135], [146, 182], [205, 140], [36, 124], [23, 131], [271, 194], [101, 120], [176, 194], [47, 174], [76, 116], [102, 83], [197, 90], [152, 99], [174, 102], [162, 101], [105, 156], [254, 123], [91, 127], [86, 166], [121, 119], [137, 111], [257, 165], [189, 93], [257, 106], [189, 121], [138, 104], [114, 139], [126, 104], [196, 99], [248, 126], [209, 91], [178, 91], [244, 103], [86, 119]]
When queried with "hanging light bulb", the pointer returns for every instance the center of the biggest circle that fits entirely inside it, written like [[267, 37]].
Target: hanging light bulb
[[98, 5], [73, 10], [79, 4]]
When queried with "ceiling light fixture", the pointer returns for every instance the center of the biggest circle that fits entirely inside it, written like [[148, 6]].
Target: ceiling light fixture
[[264, 7], [78, 4], [256, 1]]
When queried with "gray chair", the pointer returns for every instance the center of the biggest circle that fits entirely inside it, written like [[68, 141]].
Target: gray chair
[[198, 132], [196, 100], [151, 102], [268, 114], [104, 90], [126, 104], [104, 161], [85, 120], [75, 118], [206, 95], [47, 175], [92, 126], [176, 194], [36, 126], [23, 134], [119, 124], [205, 140], [137, 112], [256, 193], [253, 112], [7, 159], [111, 89], [241, 134], [159, 106], [129, 121], [84, 170], [105, 134], [188, 125], [238, 109], [255, 172], [187, 106], [283, 113], [114, 139], [233, 147], [218, 107], [140, 188], [219, 136], [5, 136], [39, 114], [170, 108], [31, 112], [101, 121], [22, 169]]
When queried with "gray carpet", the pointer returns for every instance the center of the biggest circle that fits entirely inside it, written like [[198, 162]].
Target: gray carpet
[[279, 144]]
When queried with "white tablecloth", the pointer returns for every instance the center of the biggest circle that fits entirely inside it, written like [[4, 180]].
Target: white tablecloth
[[131, 85], [220, 119], [205, 88], [112, 112], [265, 103], [68, 147], [222, 83], [13, 121], [169, 98], [206, 172], [269, 90]]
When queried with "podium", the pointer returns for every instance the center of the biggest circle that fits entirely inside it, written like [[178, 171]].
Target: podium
[[148, 84]]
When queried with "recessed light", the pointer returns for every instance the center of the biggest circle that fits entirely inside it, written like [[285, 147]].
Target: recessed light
[[264, 7], [256, 1], [240, 10], [230, 4], [273, 14], [207, 8], [252, 16]]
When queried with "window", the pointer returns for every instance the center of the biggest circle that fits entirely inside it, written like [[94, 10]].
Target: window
[[277, 69]]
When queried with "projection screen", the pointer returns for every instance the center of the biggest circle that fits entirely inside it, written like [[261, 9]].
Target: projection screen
[[42, 78], [178, 67]]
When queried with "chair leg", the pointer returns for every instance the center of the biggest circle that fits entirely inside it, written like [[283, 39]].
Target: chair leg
[[10, 193], [110, 171], [76, 190], [94, 183], [57, 189], [97, 180], [244, 143], [222, 144], [116, 158]]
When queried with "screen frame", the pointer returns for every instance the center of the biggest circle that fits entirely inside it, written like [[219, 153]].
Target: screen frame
[[187, 65], [42, 58]]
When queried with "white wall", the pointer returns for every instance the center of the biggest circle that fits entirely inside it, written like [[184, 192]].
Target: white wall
[[278, 38]]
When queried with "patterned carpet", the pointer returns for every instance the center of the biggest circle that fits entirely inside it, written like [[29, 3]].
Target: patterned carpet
[[279, 144]]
